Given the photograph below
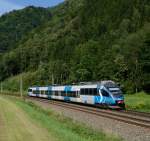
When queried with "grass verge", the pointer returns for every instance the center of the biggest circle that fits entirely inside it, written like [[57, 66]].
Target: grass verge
[[62, 128], [139, 102]]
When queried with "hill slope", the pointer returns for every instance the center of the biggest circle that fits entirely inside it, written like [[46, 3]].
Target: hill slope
[[17, 24], [86, 41]]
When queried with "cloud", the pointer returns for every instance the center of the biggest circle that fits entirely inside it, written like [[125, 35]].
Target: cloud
[[6, 6]]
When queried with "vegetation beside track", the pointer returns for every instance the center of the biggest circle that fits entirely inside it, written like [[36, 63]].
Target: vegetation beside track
[[60, 127], [17, 93], [139, 102], [16, 125]]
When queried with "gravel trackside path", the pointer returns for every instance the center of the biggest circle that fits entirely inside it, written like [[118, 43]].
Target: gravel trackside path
[[127, 131], [15, 125]]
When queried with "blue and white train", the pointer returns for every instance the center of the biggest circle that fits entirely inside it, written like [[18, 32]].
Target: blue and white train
[[105, 93]]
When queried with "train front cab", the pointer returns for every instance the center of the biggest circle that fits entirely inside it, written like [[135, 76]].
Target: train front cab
[[30, 92], [113, 101], [117, 96]]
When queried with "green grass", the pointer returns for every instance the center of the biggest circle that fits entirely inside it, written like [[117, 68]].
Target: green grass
[[11, 93], [139, 102], [16, 125], [62, 128]]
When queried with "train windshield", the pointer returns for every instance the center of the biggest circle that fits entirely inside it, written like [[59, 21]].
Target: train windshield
[[113, 88], [116, 92]]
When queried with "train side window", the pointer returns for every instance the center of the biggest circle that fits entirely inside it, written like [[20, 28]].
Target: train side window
[[63, 93], [36, 92], [72, 94], [90, 92], [42, 92], [104, 93], [46, 92], [82, 91], [56, 93], [29, 90], [86, 91], [95, 92]]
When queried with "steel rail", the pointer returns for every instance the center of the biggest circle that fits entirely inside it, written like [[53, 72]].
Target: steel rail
[[137, 113], [130, 119]]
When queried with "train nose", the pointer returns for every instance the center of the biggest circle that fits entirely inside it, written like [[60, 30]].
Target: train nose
[[121, 103]]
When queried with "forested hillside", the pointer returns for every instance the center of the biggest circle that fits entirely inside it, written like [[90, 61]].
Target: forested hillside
[[79, 40], [15, 25]]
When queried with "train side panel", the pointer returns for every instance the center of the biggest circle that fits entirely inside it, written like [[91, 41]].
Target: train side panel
[[90, 94]]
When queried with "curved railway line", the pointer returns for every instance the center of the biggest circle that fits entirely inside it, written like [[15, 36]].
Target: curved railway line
[[128, 116]]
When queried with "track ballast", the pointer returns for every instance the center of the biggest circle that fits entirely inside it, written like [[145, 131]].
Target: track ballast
[[131, 117]]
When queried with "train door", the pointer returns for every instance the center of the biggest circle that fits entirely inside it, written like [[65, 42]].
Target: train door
[[106, 98], [37, 91], [49, 92], [67, 92]]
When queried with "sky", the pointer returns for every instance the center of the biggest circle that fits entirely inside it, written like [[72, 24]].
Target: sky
[[9, 5]]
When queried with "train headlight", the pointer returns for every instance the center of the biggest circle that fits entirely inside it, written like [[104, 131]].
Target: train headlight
[[120, 101]]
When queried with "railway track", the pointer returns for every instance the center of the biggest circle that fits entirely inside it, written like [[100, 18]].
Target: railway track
[[136, 113], [131, 117]]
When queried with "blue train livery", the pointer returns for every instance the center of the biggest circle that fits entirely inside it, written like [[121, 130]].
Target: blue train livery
[[104, 93]]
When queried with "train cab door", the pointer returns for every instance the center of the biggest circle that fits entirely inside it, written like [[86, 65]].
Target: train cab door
[[106, 98]]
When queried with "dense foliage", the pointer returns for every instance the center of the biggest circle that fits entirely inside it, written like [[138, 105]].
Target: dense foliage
[[83, 40], [15, 25], [139, 102]]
